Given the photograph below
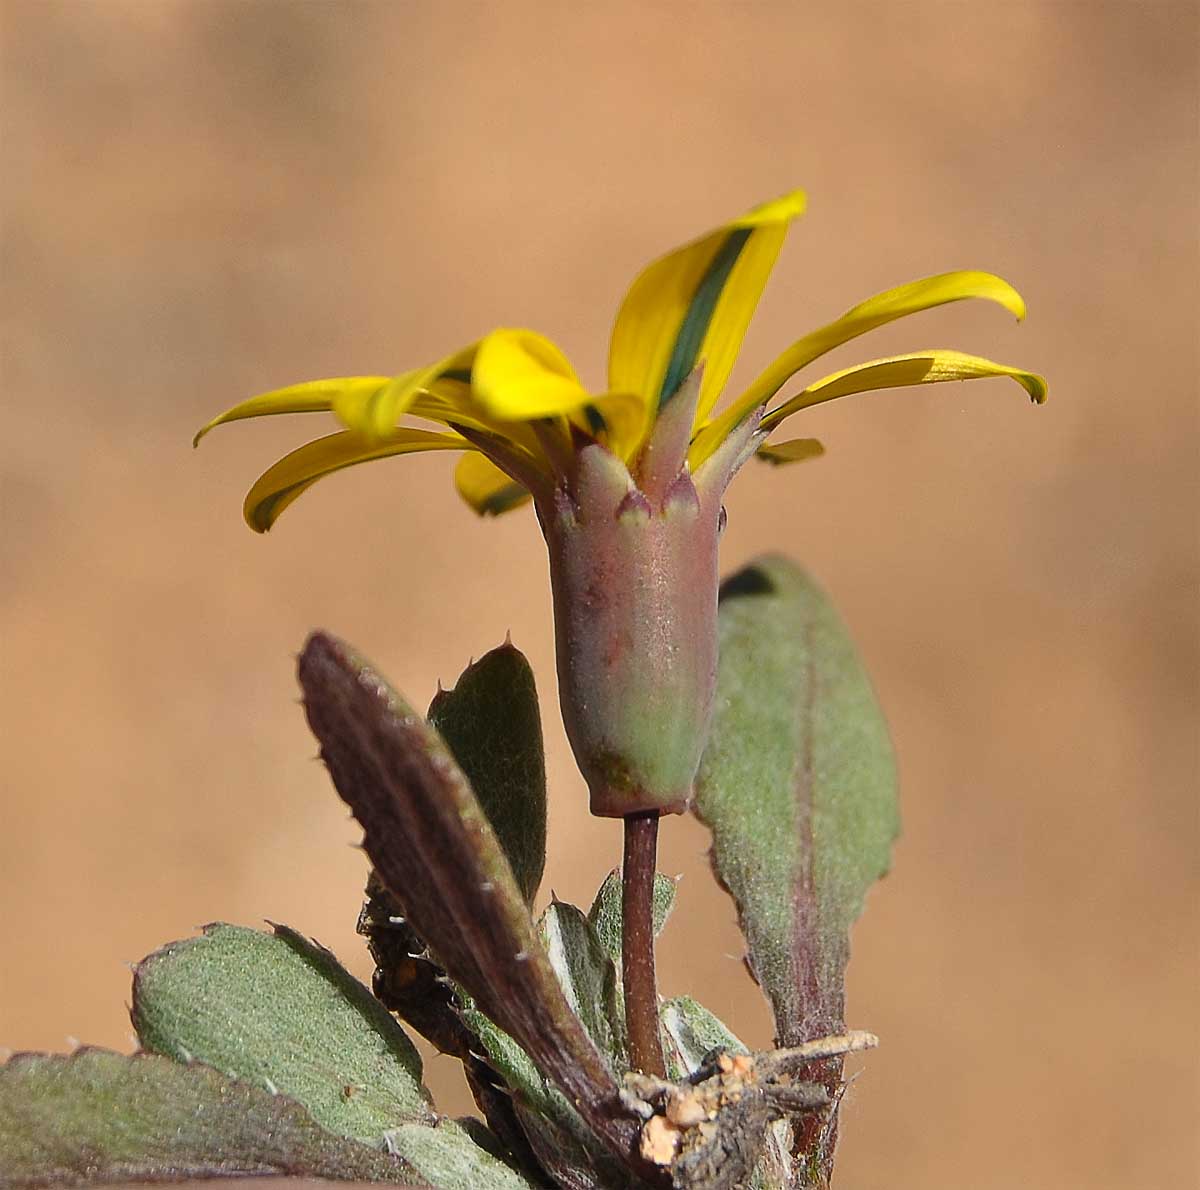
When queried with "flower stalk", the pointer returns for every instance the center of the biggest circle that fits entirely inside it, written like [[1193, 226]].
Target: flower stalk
[[637, 944]]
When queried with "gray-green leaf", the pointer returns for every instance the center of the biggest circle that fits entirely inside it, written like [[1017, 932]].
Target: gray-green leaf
[[562, 1141], [798, 787], [491, 723], [280, 1012], [96, 1116], [691, 1033], [588, 977], [447, 1156], [605, 913]]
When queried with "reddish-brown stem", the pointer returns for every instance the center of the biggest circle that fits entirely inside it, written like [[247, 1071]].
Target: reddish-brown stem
[[637, 944]]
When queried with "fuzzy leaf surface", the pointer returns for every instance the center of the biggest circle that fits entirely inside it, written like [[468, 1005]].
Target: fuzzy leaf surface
[[562, 1142], [97, 1116], [606, 914], [408, 982], [691, 1032], [433, 847], [798, 787], [588, 977], [491, 723], [280, 1012], [448, 1157]]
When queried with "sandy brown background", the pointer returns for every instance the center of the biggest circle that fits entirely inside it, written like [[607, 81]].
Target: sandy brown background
[[205, 199]]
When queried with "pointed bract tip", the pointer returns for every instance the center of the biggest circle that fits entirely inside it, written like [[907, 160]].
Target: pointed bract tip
[[681, 493], [634, 506]]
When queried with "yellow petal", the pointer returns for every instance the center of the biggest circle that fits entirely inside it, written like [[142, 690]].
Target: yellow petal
[[900, 371], [794, 451], [374, 414], [313, 396], [295, 473], [487, 489], [883, 308], [695, 304], [520, 375], [620, 420]]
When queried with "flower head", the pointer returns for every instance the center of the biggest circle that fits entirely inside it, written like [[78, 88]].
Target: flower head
[[627, 482]]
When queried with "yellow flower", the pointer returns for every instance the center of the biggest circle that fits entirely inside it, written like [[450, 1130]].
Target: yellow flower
[[628, 482], [513, 402]]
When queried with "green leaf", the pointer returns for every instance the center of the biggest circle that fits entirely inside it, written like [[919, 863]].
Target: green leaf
[[561, 1141], [96, 1116], [280, 1012], [408, 982], [798, 787], [587, 975], [691, 1033], [491, 723], [434, 849], [797, 784], [451, 1160], [605, 913]]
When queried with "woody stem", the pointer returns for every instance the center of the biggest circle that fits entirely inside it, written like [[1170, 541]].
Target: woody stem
[[637, 944]]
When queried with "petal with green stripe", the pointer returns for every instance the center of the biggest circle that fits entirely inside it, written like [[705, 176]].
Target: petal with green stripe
[[924, 294], [374, 416], [295, 473], [695, 304], [794, 451], [901, 371], [487, 489], [311, 396]]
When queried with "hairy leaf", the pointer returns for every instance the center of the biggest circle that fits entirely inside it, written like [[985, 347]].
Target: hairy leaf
[[491, 723], [797, 784], [605, 913], [96, 1116], [280, 1012], [449, 1158], [588, 976], [798, 787], [692, 1033], [433, 847], [562, 1142], [411, 984]]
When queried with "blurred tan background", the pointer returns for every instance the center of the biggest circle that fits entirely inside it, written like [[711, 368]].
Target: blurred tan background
[[202, 200]]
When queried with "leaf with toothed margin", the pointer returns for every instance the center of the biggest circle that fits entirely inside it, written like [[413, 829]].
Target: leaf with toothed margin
[[282, 1013], [410, 984], [589, 980], [797, 784], [433, 847], [606, 915], [491, 723], [560, 1139], [96, 1116]]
